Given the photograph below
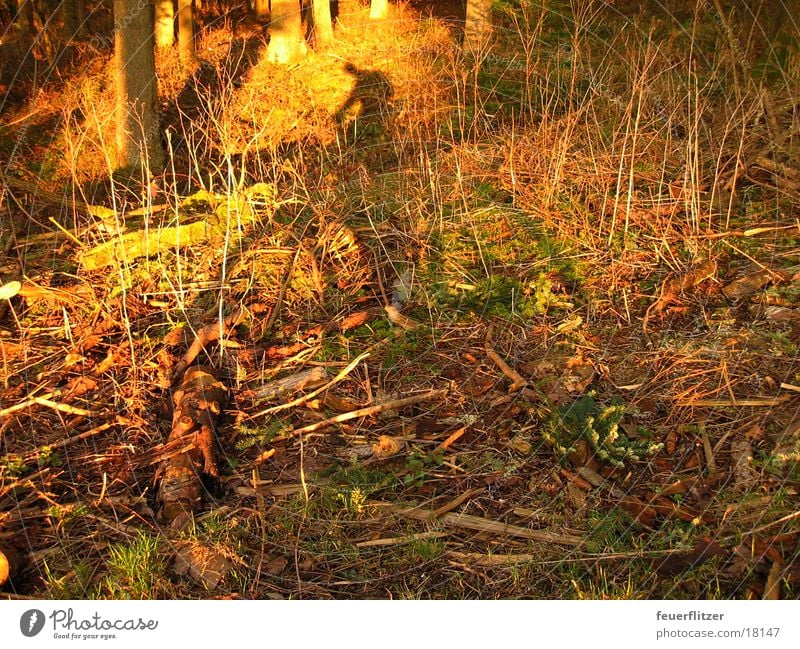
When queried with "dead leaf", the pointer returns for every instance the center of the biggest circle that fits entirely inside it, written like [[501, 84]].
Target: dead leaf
[[356, 320], [521, 445], [203, 564], [276, 566], [576, 496], [674, 564], [386, 446], [9, 290], [742, 457], [748, 284]]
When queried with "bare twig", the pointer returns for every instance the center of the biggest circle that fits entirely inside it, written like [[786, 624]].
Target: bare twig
[[371, 410]]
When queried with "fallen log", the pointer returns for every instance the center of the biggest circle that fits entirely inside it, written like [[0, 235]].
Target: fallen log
[[198, 403]]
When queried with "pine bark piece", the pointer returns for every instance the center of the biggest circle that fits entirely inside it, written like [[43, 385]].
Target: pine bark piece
[[198, 403]]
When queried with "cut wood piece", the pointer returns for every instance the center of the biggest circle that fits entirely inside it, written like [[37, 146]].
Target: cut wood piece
[[478, 524], [274, 390], [198, 403]]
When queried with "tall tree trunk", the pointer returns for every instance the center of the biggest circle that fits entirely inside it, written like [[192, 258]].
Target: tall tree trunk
[[286, 40], [72, 11], [186, 31], [261, 8], [478, 25], [165, 23], [138, 138], [323, 27], [25, 16], [379, 9]]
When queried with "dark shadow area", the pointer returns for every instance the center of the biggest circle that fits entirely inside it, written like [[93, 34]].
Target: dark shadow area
[[451, 11], [369, 102]]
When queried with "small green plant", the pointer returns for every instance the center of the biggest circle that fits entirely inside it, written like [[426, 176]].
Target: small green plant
[[353, 500], [249, 437], [13, 465], [417, 466], [73, 584], [135, 568], [598, 426]]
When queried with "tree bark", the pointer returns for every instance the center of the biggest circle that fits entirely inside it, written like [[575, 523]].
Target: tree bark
[[286, 41], [478, 25], [323, 26], [25, 16], [186, 32], [261, 8], [138, 137], [72, 11], [378, 9], [165, 23]]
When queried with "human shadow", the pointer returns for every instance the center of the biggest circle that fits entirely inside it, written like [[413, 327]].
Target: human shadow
[[367, 111]]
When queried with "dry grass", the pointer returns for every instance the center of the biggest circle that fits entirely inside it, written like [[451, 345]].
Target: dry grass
[[533, 200]]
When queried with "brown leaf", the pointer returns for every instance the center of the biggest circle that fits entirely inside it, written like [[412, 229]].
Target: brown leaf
[[203, 564], [674, 564], [576, 496], [386, 446], [742, 457], [520, 444], [748, 284], [356, 320], [276, 566]]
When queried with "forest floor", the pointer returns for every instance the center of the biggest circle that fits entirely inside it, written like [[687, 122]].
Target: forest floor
[[548, 289]]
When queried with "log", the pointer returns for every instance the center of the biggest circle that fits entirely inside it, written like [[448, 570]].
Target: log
[[198, 403]]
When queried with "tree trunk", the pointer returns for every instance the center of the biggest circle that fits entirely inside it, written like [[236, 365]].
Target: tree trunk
[[165, 23], [478, 25], [73, 18], [378, 9], [286, 40], [25, 16], [261, 8], [138, 137], [186, 31], [323, 27]]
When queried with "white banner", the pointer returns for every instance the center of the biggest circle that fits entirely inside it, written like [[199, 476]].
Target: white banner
[[401, 625]]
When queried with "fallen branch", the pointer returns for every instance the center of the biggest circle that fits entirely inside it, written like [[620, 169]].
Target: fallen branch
[[485, 525], [399, 540], [491, 560], [371, 410], [762, 402], [517, 380], [198, 402], [307, 397], [207, 335]]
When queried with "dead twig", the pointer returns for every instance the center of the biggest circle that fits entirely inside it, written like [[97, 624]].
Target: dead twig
[[307, 397], [485, 525], [371, 410]]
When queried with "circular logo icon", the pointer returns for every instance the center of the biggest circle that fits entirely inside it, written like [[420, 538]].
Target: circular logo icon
[[31, 622]]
